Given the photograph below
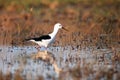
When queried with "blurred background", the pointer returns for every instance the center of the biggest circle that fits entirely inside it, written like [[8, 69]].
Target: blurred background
[[90, 50], [85, 19]]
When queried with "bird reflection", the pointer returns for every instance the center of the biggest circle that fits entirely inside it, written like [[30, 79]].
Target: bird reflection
[[47, 57]]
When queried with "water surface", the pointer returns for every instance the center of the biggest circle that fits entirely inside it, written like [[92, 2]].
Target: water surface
[[28, 62]]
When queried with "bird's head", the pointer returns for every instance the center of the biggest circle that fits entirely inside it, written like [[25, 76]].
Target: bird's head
[[59, 26]]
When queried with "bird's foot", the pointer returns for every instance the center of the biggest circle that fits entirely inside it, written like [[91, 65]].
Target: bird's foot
[[38, 48]]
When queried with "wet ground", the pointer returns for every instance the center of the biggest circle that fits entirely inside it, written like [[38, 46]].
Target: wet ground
[[60, 63], [91, 46]]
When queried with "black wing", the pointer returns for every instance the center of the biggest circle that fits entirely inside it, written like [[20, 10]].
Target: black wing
[[43, 37]]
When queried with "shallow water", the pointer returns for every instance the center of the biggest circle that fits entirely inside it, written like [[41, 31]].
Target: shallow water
[[21, 59]]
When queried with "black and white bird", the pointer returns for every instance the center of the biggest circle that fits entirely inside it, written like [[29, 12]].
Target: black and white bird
[[45, 40]]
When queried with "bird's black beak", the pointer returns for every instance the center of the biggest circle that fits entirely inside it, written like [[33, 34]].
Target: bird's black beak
[[65, 29]]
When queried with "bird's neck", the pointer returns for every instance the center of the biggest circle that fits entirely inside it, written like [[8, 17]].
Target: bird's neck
[[53, 34]]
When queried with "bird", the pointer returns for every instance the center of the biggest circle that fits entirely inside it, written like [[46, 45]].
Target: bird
[[45, 40]]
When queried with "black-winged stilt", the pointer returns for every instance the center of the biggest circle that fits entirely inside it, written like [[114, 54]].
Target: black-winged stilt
[[45, 40]]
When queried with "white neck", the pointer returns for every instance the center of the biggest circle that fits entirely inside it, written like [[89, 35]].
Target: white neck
[[53, 34]]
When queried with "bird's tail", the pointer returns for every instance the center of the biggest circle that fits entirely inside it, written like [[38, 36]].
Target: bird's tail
[[26, 40]]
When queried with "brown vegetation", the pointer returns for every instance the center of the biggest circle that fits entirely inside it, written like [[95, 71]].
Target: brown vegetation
[[92, 24], [84, 21]]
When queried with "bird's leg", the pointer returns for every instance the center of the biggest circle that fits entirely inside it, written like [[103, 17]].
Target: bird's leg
[[37, 47]]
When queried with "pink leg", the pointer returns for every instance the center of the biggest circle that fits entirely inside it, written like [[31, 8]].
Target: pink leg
[[37, 47]]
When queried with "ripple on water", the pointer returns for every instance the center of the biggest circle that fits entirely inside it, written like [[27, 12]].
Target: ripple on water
[[31, 63]]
